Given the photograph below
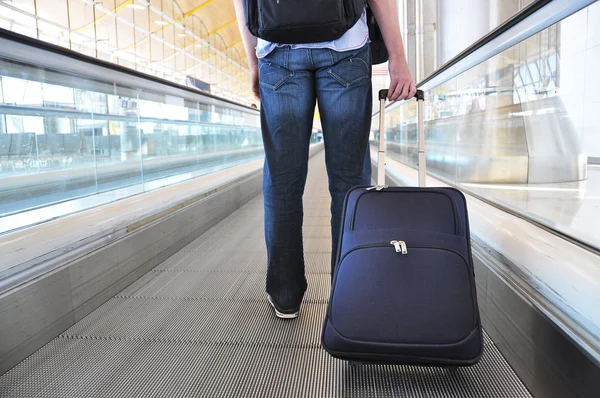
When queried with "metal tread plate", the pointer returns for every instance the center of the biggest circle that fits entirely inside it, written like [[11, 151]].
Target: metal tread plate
[[199, 325], [70, 367]]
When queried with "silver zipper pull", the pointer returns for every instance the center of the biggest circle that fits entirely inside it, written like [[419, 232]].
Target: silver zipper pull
[[403, 244], [400, 246]]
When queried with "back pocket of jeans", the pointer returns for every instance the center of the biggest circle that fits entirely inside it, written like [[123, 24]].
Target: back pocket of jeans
[[273, 76], [350, 71]]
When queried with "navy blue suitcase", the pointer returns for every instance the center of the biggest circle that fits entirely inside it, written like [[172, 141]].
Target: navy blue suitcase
[[403, 290]]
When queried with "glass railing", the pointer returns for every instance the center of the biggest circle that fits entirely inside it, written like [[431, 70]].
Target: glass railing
[[69, 142], [520, 130], [60, 142]]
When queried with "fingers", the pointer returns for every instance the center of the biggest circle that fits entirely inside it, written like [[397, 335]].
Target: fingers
[[401, 91], [412, 91], [395, 93], [402, 87], [391, 89], [398, 93], [405, 91]]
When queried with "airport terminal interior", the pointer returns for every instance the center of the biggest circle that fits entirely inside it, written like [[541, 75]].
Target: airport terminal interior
[[132, 239]]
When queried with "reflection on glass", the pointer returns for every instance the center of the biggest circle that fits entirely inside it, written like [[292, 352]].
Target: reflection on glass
[[59, 142], [151, 40], [518, 130]]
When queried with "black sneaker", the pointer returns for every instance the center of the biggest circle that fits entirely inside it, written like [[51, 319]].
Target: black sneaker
[[283, 314]]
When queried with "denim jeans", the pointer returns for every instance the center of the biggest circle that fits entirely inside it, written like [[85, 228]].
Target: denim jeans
[[291, 82]]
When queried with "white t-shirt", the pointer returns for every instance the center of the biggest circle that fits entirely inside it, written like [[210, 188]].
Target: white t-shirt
[[354, 38]]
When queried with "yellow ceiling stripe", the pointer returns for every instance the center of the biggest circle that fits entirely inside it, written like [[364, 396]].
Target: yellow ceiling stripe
[[194, 10], [223, 26], [100, 18]]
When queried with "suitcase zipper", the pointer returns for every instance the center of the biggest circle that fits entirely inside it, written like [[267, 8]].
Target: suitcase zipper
[[400, 247]]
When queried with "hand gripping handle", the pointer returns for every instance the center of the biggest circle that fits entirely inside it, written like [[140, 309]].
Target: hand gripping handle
[[420, 96]]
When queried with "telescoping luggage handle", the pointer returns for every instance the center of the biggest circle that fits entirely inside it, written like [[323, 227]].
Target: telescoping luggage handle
[[420, 96]]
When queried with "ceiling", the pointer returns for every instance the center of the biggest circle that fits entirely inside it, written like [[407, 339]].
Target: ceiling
[[219, 18]]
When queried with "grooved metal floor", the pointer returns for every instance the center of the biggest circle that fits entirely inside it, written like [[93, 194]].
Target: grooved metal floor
[[199, 326]]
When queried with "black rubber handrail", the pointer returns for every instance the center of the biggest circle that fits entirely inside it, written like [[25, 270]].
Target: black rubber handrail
[[9, 35], [501, 29]]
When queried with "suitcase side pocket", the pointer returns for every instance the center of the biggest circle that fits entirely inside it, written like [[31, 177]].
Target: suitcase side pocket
[[379, 210], [418, 296]]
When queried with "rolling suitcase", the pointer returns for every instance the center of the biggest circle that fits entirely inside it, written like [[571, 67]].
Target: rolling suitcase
[[403, 290]]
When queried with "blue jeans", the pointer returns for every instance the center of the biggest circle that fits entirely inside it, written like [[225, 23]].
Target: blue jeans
[[291, 81]]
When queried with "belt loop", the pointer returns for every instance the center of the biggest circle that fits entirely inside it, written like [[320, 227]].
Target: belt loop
[[286, 60]]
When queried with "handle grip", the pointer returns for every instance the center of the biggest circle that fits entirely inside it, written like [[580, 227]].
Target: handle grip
[[419, 95]]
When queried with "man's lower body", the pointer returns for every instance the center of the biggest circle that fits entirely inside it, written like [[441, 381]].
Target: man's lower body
[[291, 81]]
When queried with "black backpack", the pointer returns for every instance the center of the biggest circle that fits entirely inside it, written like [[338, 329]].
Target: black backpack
[[379, 52], [290, 22], [301, 21]]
